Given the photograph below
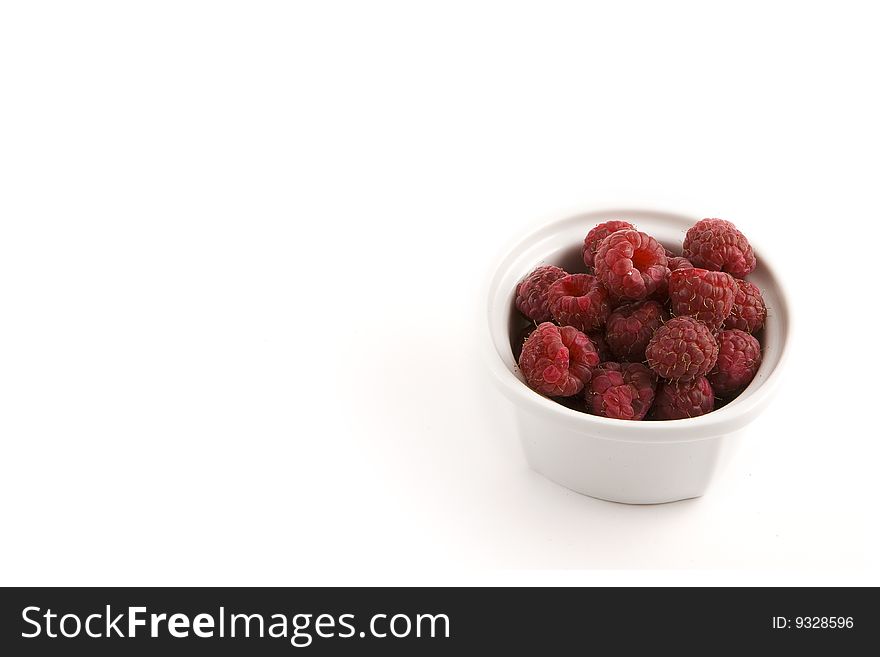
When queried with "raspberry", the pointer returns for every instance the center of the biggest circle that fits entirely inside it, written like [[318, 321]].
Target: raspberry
[[677, 262], [621, 390], [531, 293], [717, 245], [677, 400], [749, 312], [674, 262], [579, 300], [594, 237], [739, 356], [630, 327], [601, 344], [631, 264], [683, 348], [706, 295], [557, 361]]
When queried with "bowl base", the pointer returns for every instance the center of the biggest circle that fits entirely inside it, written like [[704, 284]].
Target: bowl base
[[621, 471]]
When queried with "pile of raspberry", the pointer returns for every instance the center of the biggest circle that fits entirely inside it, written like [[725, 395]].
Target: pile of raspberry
[[645, 333]]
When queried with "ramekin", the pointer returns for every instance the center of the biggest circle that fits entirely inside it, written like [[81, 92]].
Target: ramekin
[[648, 462]]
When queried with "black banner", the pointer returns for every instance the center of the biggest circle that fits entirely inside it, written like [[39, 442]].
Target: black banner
[[435, 621]]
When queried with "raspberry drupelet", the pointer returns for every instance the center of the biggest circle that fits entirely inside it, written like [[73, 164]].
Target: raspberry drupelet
[[678, 262]]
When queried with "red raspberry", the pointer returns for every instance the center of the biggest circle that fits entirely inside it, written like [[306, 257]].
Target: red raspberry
[[677, 262], [594, 237], [631, 264], [531, 293], [601, 344], [621, 390], [739, 356], [630, 327], [557, 361], [749, 312], [683, 348], [706, 295], [677, 400], [579, 300], [717, 245]]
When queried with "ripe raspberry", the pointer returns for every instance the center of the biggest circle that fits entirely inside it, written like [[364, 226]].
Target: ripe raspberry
[[683, 348], [594, 237], [677, 262], [706, 295], [630, 327], [631, 264], [579, 300], [717, 245], [749, 312], [621, 390], [557, 361], [677, 400], [531, 293], [601, 344], [739, 356]]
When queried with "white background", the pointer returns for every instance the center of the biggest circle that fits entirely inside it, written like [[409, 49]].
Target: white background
[[241, 253]]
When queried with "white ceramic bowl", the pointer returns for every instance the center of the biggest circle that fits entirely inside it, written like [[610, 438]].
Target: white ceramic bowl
[[645, 462]]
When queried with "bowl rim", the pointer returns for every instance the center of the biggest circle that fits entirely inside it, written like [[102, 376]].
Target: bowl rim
[[721, 421]]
